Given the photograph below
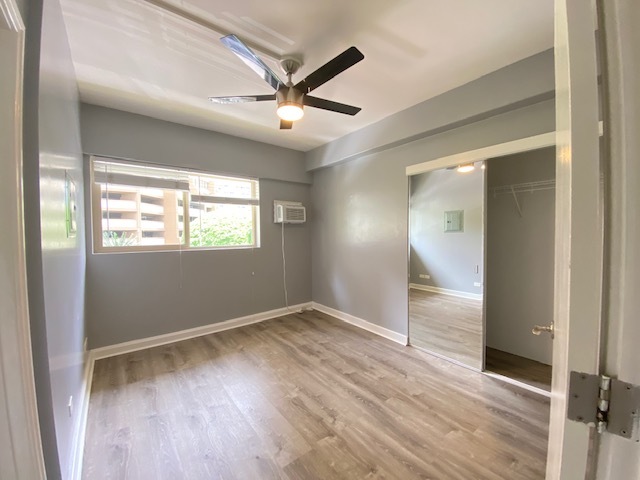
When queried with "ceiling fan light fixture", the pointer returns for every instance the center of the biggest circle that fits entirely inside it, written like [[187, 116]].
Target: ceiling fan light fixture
[[466, 168], [290, 111], [290, 104]]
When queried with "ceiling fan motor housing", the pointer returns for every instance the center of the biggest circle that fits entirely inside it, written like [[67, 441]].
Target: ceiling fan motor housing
[[289, 96], [290, 65]]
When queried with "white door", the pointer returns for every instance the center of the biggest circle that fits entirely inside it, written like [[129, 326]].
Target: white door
[[579, 245], [619, 458], [20, 448]]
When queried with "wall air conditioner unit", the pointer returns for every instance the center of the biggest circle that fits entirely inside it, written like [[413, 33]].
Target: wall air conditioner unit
[[288, 212]]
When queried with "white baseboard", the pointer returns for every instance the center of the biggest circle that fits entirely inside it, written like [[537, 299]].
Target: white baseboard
[[149, 342], [77, 447], [446, 291], [523, 385], [359, 322]]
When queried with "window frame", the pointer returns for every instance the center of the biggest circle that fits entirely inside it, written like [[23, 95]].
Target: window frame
[[96, 210]]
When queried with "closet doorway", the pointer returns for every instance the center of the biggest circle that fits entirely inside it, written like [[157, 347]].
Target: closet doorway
[[519, 266], [486, 304]]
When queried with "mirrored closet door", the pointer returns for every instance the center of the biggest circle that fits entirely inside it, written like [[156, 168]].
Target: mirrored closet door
[[446, 225]]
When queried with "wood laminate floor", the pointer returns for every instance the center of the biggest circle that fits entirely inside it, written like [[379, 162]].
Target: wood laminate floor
[[306, 396], [446, 325], [519, 368]]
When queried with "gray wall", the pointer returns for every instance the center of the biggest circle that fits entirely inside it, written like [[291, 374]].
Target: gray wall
[[113, 132], [138, 295], [450, 258], [360, 210], [32, 16], [55, 263], [523, 83], [520, 256]]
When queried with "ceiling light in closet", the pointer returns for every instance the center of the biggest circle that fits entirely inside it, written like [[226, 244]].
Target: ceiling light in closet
[[466, 168]]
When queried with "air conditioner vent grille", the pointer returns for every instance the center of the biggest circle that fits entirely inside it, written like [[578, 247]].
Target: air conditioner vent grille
[[289, 212]]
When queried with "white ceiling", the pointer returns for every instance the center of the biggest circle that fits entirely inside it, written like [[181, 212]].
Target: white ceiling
[[134, 56]]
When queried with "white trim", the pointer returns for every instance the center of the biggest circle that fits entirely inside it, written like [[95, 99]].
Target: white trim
[[446, 291], [149, 342], [578, 231], [497, 376], [77, 447], [359, 322], [618, 457], [517, 383], [500, 150]]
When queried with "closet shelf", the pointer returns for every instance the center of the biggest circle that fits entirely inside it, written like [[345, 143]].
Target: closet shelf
[[528, 187]]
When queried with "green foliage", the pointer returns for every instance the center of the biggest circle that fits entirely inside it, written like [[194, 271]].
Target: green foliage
[[112, 239], [219, 229]]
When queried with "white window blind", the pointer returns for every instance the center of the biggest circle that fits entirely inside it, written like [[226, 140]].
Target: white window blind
[[139, 175]]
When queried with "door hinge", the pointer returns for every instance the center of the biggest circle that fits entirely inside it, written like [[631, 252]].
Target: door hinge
[[606, 403]]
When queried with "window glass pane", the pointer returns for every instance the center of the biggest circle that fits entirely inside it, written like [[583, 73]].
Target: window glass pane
[[144, 205], [134, 216], [220, 225]]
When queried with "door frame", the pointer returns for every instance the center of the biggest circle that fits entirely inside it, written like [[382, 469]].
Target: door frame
[[579, 231], [618, 19], [20, 442]]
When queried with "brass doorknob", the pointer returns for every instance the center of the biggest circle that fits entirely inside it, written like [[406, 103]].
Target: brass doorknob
[[538, 329]]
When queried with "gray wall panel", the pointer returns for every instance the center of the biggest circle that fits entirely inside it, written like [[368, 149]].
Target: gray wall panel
[[359, 239], [35, 285], [523, 83], [55, 263], [63, 257], [121, 134]]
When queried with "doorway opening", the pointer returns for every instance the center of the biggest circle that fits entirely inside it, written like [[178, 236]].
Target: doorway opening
[[519, 266]]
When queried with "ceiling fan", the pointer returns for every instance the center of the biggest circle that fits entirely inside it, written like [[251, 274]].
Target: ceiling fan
[[292, 98]]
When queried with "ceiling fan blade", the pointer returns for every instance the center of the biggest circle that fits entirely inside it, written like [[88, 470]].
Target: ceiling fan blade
[[245, 54], [329, 105], [285, 125], [245, 99], [339, 64]]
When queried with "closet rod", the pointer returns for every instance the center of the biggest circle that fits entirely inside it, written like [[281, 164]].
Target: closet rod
[[524, 187]]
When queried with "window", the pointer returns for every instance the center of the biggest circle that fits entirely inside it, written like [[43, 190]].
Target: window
[[141, 207]]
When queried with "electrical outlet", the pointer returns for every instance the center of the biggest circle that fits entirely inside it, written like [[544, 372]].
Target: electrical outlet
[[425, 276], [70, 405], [477, 284]]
